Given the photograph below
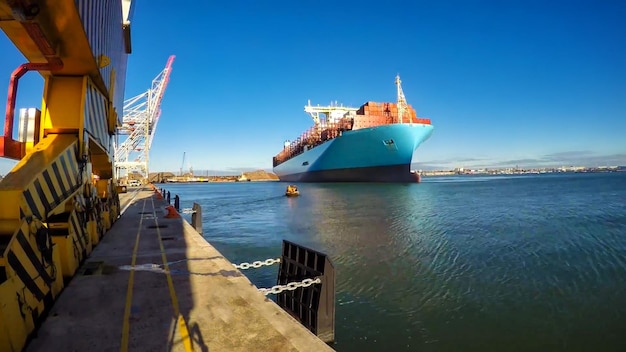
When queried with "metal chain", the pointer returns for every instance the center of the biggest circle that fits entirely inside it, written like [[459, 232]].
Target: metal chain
[[257, 264], [290, 286]]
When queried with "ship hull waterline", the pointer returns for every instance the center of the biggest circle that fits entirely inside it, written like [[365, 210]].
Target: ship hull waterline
[[387, 173]]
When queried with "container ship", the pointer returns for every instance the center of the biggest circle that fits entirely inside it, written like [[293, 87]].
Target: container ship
[[374, 143]]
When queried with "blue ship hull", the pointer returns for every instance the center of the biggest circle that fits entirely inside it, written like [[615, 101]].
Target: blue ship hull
[[374, 154]]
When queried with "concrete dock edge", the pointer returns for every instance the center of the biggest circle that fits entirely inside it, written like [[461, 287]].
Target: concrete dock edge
[[185, 295]]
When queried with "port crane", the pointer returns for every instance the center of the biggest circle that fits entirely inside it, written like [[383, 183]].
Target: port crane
[[139, 123]]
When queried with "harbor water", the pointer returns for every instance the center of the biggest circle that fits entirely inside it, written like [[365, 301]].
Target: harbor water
[[471, 263]]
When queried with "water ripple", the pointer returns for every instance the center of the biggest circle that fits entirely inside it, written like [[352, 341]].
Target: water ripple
[[518, 263]]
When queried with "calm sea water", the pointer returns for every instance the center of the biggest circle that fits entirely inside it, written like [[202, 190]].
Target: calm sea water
[[473, 263]]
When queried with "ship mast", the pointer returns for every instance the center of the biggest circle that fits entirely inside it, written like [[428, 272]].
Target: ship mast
[[402, 105]]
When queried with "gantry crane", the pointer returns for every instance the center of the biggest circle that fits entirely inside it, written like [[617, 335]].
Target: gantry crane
[[61, 196], [141, 115]]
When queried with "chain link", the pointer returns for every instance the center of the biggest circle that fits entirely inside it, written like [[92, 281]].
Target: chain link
[[257, 264], [290, 286]]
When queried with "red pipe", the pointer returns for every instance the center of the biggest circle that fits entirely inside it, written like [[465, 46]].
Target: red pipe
[[9, 147], [17, 74]]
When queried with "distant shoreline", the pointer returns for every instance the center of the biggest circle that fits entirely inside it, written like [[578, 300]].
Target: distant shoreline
[[250, 176], [509, 173], [218, 181], [426, 174]]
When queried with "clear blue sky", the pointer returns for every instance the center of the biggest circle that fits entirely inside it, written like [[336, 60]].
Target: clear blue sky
[[504, 82]]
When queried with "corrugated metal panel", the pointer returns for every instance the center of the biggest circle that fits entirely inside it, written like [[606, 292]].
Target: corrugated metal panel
[[96, 117], [102, 21]]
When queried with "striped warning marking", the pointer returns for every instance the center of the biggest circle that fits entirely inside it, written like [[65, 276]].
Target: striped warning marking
[[52, 186], [28, 264], [79, 233]]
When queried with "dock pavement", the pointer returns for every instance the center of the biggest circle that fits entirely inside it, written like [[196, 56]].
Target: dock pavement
[[155, 284]]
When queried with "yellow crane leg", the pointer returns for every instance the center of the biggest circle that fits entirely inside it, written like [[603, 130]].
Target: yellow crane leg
[[32, 280], [52, 212], [12, 334], [53, 209]]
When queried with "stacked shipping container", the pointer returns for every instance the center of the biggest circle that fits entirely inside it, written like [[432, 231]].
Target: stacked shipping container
[[373, 114]]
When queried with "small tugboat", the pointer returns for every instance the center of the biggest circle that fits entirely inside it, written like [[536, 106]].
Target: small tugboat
[[292, 191]]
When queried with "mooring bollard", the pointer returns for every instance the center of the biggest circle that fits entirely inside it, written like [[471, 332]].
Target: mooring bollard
[[196, 217], [168, 197], [177, 202]]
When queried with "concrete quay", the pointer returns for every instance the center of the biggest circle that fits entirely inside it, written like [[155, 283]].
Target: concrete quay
[[182, 295]]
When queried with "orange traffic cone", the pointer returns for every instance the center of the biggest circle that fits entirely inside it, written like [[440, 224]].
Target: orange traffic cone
[[171, 212]]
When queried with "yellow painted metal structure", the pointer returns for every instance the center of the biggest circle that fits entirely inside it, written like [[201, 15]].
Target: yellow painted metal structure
[[61, 197]]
